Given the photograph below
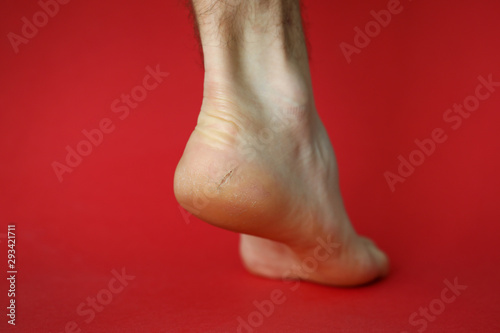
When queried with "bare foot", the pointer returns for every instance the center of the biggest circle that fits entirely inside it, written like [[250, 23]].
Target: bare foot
[[260, 163]]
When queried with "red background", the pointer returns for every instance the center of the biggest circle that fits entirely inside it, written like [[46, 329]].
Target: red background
[[117, 208]]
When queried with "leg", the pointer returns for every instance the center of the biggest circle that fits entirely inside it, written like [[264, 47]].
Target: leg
[[259, 161]]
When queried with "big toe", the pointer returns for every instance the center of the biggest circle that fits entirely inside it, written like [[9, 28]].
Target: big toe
[[374, 262], [364, 262]]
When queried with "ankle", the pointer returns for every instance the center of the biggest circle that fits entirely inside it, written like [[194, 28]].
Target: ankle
[[236, 106], [277, 84]]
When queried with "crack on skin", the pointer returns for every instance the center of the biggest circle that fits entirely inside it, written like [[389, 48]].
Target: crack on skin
[[225, 179]]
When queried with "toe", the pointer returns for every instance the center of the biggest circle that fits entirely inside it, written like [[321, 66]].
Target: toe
[[378, 261]]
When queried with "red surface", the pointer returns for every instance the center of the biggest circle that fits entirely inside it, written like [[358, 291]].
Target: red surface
[[117, 210]]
